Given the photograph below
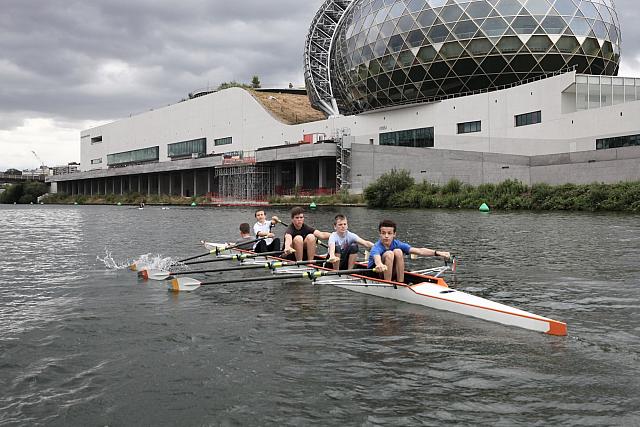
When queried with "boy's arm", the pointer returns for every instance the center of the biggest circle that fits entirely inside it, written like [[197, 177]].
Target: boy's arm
[[429, 252], [323, 235], [287, 243], [367, 244]]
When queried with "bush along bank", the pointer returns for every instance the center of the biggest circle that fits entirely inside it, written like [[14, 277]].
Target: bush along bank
[[397, 189]]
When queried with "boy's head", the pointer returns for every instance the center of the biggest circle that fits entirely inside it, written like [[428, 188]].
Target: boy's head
[[340, 223], [245, 228], [260, 215], [297, 217], [387, 229]]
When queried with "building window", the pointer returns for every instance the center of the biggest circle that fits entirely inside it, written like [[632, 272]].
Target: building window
[[617, 142], [96, 140], [469, 127], [187, 148], [96, 161], [528, 118], [222, 141], [422, 138], [135, 157]]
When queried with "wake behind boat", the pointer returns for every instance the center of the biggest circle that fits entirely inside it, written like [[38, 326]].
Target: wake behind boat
[[430, 290]]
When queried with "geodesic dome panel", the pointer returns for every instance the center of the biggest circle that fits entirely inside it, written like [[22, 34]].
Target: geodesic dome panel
[[389, 52]]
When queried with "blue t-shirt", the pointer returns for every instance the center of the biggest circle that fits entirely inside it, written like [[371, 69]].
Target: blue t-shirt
[[379, 249]]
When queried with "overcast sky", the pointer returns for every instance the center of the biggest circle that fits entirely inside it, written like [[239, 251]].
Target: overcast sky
[[68, 65]]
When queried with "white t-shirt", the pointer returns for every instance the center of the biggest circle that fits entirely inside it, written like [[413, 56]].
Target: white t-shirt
[[343, 242], [265, 228]]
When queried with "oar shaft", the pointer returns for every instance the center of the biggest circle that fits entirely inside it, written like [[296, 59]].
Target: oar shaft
[[195, 256], [266, 265], [306, 275], [236, 257]]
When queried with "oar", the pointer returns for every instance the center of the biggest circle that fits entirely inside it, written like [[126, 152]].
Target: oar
[[161, 274], [219, 249], [235, 257], [180, 284]]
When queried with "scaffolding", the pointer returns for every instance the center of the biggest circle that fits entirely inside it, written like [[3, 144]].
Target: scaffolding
[[247, 182], [343, 141]]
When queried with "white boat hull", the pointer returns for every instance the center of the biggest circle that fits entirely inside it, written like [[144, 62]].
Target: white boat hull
[[439, 296]]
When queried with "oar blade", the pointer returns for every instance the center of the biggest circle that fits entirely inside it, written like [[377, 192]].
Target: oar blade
[[157, 274], [183, 284]]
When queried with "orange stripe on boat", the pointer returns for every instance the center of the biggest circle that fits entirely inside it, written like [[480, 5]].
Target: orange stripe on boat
[[175, 286]]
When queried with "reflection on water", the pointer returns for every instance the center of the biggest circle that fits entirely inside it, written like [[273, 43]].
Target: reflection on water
[[84, 342]]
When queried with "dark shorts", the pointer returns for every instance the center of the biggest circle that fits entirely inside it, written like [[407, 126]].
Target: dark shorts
[[344, 255], [272, 247]]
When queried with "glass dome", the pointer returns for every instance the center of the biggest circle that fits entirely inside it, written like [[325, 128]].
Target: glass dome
[[390, 52]]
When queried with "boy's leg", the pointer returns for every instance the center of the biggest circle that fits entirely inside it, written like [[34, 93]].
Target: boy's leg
[[274, 246], [298, 245], [387, 259], [310, 246], [261, 246], [398, 265], [352, 252]]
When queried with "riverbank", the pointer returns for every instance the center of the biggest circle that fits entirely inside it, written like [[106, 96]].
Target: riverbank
[[340, 199], [397, 189]]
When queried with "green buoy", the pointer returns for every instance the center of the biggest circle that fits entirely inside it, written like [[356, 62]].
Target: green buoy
[[313, 205], [75, 203], [119, 204], [484, 208], [194, 204]]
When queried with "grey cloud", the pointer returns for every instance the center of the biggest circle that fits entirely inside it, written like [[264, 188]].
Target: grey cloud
[[53, 52]]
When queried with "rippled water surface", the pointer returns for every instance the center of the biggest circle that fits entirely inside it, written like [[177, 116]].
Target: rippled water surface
[[85, 343]]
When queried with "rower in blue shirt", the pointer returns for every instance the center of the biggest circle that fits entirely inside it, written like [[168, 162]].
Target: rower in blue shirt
[[387, 255]]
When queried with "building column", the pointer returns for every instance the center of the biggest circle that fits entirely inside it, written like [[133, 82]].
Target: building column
[[91, 187], [129, 188], [299, 173], [195, 183], [181, 183], [278, 169], [159, 180], [170, 192], [139, 183], [121, 185], [322, 173], [208, 180]]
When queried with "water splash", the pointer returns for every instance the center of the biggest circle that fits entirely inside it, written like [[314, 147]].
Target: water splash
[[154, 261]]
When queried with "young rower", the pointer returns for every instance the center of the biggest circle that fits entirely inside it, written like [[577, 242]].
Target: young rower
[[262, 228], [246, 239], [301, 238], [343, 245], [387, 255]]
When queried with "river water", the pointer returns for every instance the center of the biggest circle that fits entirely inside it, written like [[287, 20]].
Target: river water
[[85, 343]]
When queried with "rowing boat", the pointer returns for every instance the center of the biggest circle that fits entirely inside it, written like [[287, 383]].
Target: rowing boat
[[429, 289]]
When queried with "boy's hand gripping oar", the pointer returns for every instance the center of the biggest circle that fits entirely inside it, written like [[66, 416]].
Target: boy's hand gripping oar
[[182, 284], [161, 274]]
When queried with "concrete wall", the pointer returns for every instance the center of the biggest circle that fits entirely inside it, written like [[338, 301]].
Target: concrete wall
[[439, 166]]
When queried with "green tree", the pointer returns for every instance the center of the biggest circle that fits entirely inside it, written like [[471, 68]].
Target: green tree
[[387, 188], [255, 82], [24, 193]]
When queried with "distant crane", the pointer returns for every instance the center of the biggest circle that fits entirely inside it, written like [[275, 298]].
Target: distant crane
[[39, 160]]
